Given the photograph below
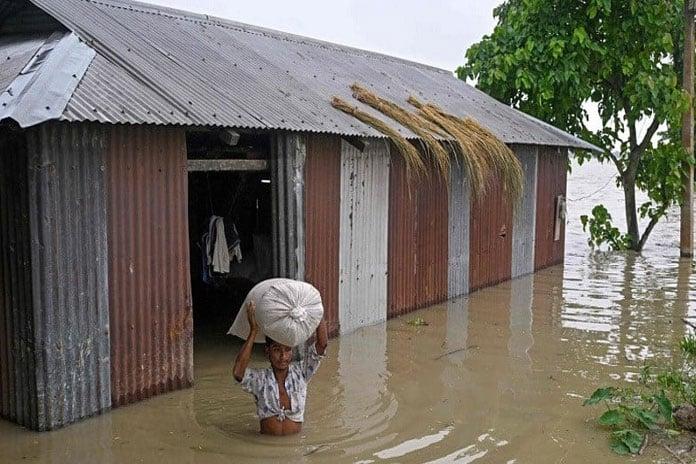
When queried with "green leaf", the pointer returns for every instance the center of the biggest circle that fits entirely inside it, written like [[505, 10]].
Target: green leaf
[[630, 438], [612, 417], [664, 406], [599, 395], [619, 447], [645, 417]]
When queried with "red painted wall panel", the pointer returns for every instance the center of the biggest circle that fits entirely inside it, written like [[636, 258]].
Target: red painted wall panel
[[149, 281], [418, 241], [490, 244], [322, 221], [551, 182]]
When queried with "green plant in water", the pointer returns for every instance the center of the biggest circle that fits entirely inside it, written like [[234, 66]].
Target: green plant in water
[[602, 230], [417, 322], [631, 413]]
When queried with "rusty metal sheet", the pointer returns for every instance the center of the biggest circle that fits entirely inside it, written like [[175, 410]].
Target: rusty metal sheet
[[402, 257], [203, 70], [432, 241], [149, 281], [18, 398], [490, 238], [322, 221], [364, 225], [69, 271], [418, 241], [551, 183]]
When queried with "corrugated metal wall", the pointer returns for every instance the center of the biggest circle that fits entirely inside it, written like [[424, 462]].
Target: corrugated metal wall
[[149, 281], [402, 263], [490, 239], [524, 214], [288, 154], [69, 271], [459, 215], [432, 240], [363, 240], [18, 400], [418, 241], [551, 182], [322, 221]]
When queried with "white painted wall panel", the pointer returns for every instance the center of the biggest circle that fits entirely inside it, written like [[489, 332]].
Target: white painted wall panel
[[524, 215], [459, 213], [363, 243]]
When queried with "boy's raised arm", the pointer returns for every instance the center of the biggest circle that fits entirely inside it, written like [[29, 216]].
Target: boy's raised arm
[[322, 338], [244, 355]]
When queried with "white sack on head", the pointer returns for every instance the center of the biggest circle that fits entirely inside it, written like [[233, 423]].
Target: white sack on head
[[288, 311]]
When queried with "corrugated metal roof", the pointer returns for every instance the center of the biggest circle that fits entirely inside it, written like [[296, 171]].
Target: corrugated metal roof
[[161, 66], [44, 86], [15, 53]]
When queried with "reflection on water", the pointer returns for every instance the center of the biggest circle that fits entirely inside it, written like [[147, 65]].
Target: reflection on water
[[498, 377]]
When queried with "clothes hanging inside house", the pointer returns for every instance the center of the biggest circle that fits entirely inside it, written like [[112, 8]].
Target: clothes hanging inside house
[[220, 245], [234, 243]]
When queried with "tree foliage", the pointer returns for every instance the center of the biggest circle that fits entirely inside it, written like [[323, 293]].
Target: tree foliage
[[549, 57]]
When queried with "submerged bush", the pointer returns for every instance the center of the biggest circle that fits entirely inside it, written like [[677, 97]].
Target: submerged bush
[[632, 413]]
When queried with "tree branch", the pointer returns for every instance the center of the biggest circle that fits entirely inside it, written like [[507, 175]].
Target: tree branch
[[632, 133], [653, 222], [637, 153], [613, 157], [647, 140]]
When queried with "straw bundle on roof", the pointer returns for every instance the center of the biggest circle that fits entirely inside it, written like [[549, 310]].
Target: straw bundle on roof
[[410, 154], [482, 153], [475, 165], [416, 124]]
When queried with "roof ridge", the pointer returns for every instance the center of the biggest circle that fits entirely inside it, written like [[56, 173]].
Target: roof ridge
[[175, 13]]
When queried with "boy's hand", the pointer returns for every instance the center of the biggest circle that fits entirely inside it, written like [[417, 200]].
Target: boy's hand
[[251, 316]]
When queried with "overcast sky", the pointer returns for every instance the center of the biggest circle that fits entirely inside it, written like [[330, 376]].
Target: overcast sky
[[432, 32]]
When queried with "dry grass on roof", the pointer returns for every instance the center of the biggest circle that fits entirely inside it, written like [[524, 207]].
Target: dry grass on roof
[[485, 156], [433, 148], [413, 160]]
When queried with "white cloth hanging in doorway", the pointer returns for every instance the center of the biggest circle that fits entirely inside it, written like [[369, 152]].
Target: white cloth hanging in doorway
[[218, 253]]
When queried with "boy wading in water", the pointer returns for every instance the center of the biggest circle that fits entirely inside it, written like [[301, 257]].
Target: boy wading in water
[[280, 391]]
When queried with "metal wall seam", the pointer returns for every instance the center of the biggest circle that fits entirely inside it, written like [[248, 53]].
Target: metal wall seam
[[69, 272], [322, 221], [18, 396], [364, 231], [150, 288], [459, 216], [524, 214], [551, 183]]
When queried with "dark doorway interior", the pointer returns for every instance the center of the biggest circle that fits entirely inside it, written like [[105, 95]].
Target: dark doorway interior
[[243, 198]]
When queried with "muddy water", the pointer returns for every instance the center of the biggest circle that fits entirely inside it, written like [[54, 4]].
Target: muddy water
[[497, 377]]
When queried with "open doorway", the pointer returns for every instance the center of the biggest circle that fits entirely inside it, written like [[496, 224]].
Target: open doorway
[[229, 179]]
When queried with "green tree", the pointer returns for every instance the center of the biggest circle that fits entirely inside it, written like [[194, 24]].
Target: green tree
[[549, 57]]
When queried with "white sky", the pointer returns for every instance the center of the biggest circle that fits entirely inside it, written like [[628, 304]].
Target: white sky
[[435, 32]]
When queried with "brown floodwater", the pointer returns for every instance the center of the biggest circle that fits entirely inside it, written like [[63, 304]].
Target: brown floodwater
[[497, 377]]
